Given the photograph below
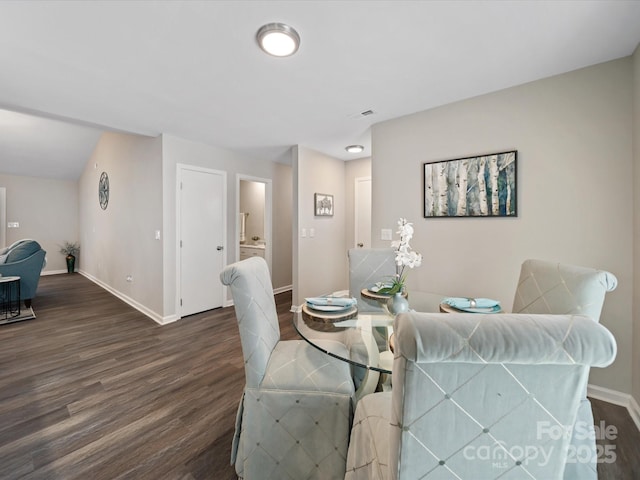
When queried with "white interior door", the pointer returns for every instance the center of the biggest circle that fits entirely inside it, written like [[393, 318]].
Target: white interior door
[[363, 212], [202, 239]]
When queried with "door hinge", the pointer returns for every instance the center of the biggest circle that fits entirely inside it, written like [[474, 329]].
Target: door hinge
[[180, 302], [180, 243]]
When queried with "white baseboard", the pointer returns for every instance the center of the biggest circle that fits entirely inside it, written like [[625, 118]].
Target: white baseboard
[[286, 288], [52, 272], [130, 301], [617, 398], [608, 395], [229, 301], [634, 411]]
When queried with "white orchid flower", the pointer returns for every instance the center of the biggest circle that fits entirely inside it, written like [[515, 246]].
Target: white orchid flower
[[405, 256]]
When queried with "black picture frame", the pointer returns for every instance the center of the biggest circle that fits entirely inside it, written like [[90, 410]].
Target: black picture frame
[[488, 182]]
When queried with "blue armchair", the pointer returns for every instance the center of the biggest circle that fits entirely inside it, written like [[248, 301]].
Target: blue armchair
[[24, 259]]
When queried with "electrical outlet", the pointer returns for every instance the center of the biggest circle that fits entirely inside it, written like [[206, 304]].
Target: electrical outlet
[[385, 234], [312, 232], [13, 225], [303, 233], [157, 234]]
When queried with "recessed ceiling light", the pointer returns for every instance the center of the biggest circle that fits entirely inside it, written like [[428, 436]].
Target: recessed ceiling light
[[354, 148], [278, 39]]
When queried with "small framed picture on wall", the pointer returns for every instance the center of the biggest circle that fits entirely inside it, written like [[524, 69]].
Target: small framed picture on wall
[[323, 204]]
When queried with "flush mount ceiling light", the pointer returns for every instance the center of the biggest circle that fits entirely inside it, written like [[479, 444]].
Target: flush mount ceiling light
[[278, 39], [354, 148]]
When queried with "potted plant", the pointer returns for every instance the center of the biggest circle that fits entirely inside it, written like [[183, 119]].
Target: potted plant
[[405, 257], [70, 250]]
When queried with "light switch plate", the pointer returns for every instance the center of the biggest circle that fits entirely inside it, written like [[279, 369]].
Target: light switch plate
[[385, 234]]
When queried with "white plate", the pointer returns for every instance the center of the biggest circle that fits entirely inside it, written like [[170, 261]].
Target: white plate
[[329, 308]]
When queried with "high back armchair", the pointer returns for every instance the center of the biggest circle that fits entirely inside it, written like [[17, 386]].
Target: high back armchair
[[478, 397], [366, 267], [556, 288], [295, 414]]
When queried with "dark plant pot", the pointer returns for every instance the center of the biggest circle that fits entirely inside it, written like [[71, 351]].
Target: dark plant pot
[[71, 263]]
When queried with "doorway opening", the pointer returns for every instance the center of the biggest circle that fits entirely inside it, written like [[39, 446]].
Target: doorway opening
[[253, 226]]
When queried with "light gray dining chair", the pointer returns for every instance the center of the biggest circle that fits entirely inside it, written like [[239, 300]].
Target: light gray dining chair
[[366, 267], [554, 288], [478, 397], [295, 414]]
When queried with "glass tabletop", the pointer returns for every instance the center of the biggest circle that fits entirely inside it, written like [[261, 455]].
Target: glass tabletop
[[365, 334]]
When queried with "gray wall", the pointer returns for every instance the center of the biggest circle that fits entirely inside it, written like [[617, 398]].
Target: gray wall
[[636, 236], [180, 151], [320, 262], [120, 241], [573, 134], [47, 211], [282, 265]]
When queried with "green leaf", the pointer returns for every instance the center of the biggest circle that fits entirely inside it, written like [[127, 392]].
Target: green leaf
[[395, 288]]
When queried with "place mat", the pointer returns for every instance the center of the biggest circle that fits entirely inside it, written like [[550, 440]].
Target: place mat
[[323, 321], [330, 304]]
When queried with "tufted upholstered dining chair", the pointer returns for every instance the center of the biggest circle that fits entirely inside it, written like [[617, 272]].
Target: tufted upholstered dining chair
[[366, 267], [295, 414], [478, 397], [556, 288]]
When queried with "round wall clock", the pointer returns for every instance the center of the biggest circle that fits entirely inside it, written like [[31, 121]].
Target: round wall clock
[[103, 190]]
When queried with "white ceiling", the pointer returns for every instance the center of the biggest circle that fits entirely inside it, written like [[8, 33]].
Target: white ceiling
[[192, 68]]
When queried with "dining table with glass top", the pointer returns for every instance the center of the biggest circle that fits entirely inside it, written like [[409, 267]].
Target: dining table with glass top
[[366, 334]]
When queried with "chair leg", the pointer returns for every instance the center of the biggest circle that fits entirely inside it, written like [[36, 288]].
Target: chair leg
[[27, 302]]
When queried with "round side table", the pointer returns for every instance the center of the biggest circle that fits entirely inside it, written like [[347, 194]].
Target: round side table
[[9, 298]]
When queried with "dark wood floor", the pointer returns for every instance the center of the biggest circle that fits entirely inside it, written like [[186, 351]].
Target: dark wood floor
[[92, 389]]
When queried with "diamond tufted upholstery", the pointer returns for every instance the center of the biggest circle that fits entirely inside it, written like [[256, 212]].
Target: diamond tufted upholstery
[[478, 397], [555, 288], [366, 267], [294, 418], [547, 287]]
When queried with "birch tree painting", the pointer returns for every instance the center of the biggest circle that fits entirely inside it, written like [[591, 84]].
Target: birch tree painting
[[471, 187]]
